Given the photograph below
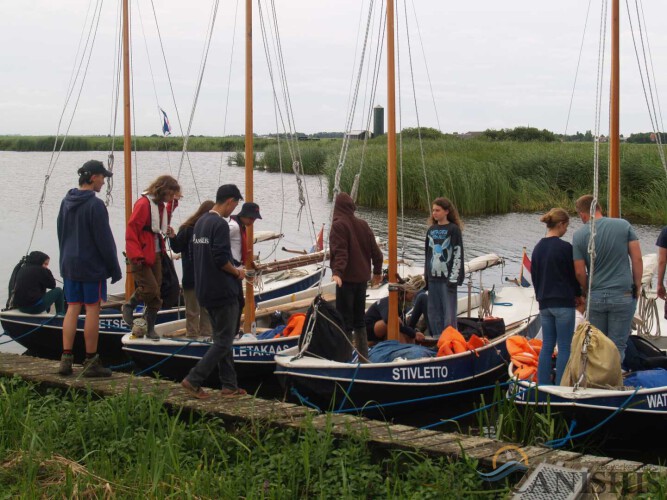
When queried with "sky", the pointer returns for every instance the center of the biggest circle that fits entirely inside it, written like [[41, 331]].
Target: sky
[[475, 65]]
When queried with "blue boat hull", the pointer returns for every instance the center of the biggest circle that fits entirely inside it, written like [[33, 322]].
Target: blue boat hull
[[402, 385], [630, 415], [173, 359], [41, 334]]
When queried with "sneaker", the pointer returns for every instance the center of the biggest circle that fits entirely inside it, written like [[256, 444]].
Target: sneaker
[[66, 361], [226, 392], [128, 314], [93, 368], [196, 392]]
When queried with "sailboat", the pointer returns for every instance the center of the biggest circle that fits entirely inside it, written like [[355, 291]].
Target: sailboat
[[173, 355], [624, 412], [41, 334], [387, 385]]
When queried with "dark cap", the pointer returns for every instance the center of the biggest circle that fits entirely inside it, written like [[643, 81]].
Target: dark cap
[[227, 191], [93, 167], [250, 210]]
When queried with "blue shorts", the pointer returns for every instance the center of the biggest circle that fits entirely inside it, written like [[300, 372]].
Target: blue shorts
[[85, 292]]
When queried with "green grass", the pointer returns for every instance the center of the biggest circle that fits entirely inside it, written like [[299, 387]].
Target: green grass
[[55, 444]]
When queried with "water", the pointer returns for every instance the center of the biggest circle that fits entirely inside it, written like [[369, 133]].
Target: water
[[23, 175]]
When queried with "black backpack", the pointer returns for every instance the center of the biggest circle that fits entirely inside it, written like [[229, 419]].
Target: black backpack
[[328, 339], [12, 282], [490, 328], [641, 354]]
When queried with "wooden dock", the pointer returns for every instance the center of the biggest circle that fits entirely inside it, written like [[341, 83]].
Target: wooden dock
[[605, 474]]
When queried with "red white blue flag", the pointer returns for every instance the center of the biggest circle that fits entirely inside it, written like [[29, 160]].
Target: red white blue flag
[[525, 270], [166, 128]]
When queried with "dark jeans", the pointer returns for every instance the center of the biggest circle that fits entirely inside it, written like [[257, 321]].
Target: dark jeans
[[54, 296], [224, 320], [351, 304]]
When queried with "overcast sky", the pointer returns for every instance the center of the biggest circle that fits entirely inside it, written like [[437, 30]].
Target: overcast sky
[[492, 64]]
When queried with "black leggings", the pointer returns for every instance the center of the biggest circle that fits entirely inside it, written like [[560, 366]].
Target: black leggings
[[351, 304]]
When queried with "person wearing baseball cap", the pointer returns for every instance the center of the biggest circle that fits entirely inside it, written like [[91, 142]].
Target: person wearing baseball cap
[[217, 287], [237, 230], [87, 259]]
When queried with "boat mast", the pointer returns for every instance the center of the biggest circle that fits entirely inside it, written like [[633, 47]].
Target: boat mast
[[127, 135], [392, 332], [249, 318], [614, 194]]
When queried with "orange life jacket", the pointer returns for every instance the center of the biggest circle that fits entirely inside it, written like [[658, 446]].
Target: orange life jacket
[[525, 355], [451, 342], [294, 326]]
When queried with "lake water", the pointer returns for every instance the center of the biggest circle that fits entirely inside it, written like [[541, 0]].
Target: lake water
[[22, 175]]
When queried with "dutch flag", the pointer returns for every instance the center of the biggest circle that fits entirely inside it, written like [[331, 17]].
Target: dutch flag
[[525, 269]]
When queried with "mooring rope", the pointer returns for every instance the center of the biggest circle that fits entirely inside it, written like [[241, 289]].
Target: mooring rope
[[46, 322]]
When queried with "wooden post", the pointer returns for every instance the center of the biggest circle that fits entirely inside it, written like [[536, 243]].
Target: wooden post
[[392, 332], [127, 135], [614, 193], [249, 317]]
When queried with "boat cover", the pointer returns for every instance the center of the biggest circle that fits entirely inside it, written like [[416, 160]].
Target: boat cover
[[648, 379], [389, 350]]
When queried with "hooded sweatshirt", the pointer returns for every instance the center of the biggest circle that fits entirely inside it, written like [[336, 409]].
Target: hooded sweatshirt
[[32, 280], [352, 244], [87, 247]]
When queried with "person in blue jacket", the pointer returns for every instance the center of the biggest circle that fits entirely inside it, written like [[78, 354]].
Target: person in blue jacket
[[87, 258]]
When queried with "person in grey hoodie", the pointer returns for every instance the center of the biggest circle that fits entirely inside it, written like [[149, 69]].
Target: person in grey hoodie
[[87, 258]]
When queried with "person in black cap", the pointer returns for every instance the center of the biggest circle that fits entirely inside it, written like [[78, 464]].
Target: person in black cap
[[217, 286], [87, 258], [237, 230], [30, 294]]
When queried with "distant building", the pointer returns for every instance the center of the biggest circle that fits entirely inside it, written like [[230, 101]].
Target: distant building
[[470, 135], [358, 135]]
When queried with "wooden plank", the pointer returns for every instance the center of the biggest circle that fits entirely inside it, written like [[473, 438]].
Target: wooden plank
[[290, 306]]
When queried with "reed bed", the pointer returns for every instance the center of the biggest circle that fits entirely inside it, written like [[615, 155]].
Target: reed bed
[[484, 177], [55, 444], [313, 156], [105, 143]]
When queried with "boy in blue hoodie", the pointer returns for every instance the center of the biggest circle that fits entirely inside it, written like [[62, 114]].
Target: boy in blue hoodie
[[87, 258]]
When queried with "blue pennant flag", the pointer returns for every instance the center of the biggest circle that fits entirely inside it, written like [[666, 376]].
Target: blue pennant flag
[[166, 128]]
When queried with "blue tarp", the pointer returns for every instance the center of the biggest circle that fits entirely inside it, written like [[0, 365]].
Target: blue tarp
[[269, 334], [389, 350], [648, 379]]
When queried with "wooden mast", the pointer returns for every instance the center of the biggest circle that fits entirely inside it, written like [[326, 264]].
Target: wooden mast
[[614, 194], [392, 332], [249, 318], [127, 135]]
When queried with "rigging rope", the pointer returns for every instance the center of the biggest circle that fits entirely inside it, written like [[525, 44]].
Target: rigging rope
[[648, 97], [74, 77]]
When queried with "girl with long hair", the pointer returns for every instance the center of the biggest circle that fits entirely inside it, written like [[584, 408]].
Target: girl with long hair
[[443, 267], [144, 246], [197, 320]]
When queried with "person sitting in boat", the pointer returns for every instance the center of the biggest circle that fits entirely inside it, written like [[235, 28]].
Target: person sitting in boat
[[377, 317], [443, 266], [32, 281], [557, 292], [353, 248], [197, 320], [144, 245]]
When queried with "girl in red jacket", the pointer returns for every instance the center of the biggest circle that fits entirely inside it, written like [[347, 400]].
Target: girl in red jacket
[[144, 244]]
